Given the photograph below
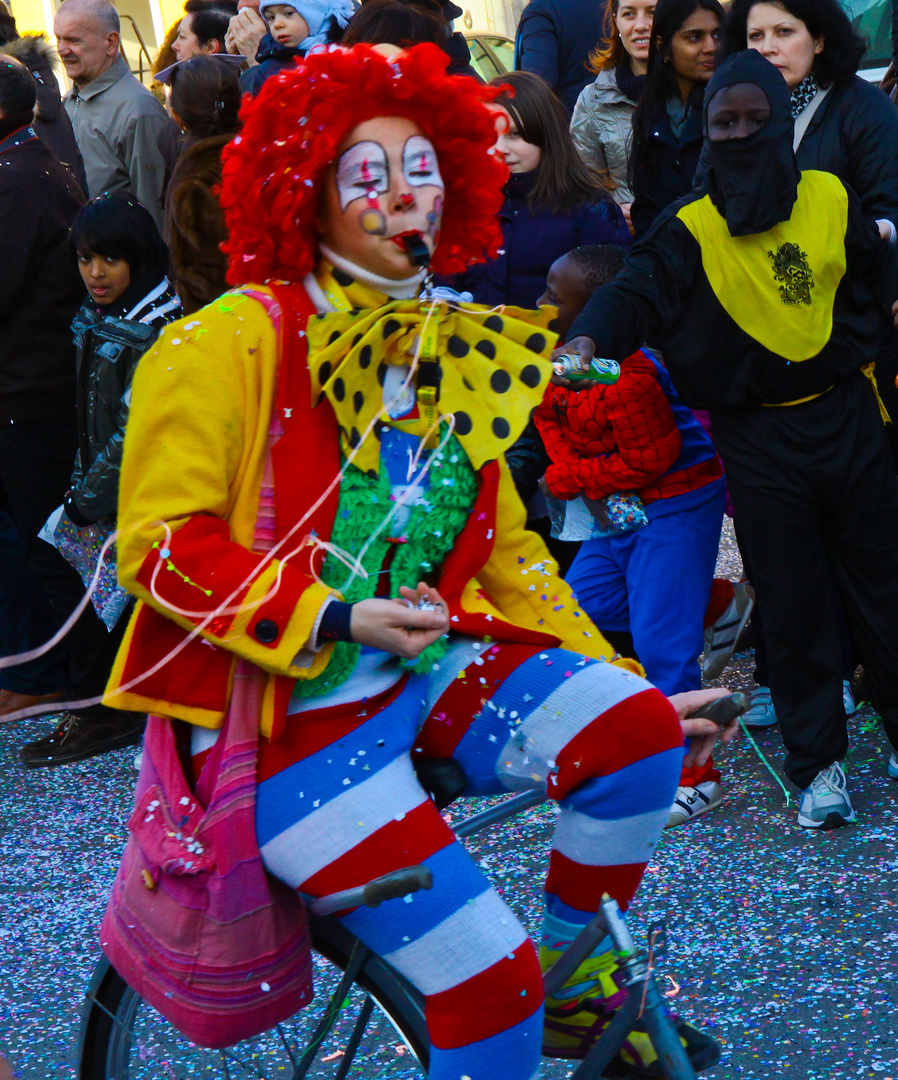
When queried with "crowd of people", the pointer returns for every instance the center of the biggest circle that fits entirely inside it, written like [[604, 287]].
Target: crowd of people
[[462, 381]]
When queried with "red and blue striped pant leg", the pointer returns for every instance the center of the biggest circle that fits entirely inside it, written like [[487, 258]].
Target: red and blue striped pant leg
[[605, 743], [338, 804]]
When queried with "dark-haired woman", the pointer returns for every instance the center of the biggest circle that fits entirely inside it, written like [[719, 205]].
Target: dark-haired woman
[[843, 124], [602, 124], [397, 22], [410, 22], [667, 124], [124, 265], [205, 101], [553, 202], [203, 28]]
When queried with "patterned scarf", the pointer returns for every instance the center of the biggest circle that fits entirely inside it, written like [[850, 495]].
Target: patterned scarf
[[803, 95]]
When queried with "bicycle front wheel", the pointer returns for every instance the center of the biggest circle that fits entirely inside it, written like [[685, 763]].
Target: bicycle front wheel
[[368, 1022]]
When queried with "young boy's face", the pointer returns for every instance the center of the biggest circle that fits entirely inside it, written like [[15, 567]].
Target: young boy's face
[[105, 278], [287, 26], [737, 112], [567, 289]]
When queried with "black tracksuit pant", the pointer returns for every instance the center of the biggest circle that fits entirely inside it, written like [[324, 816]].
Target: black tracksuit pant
[[816, 497]]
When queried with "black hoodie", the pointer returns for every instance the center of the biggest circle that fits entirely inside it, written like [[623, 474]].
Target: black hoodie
[[40, 286], [759, 318], [51, 121]]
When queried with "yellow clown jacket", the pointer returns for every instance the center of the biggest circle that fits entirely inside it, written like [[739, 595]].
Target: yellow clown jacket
[[199, 447]]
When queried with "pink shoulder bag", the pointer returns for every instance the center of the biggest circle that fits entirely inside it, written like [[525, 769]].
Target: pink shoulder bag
[[195, 924]]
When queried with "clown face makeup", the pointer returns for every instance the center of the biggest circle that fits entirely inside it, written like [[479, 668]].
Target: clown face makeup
[[383, 195], [362, 171], [419, 163]]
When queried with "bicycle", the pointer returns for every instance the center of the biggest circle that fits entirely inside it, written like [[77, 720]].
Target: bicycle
[[122, 1038]]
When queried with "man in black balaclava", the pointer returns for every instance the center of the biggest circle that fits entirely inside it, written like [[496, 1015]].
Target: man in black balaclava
[[762, 290], [752, 178]]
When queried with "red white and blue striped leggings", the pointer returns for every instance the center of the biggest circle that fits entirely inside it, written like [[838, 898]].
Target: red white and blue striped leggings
[[339, 804]]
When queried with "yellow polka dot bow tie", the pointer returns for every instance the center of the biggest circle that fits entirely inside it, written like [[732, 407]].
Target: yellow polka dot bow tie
[[494, 368]]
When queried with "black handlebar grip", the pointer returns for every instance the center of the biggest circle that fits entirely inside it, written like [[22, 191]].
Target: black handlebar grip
[[400, 883], [724, 710]]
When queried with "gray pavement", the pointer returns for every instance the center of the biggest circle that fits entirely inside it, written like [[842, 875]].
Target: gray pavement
[[782, 943]]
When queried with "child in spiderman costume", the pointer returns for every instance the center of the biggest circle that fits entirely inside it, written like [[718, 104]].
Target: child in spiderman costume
[[311, 456], [636, 435]]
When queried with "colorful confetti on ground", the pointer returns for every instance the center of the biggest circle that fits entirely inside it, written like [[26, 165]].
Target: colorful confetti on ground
[[783, 943]]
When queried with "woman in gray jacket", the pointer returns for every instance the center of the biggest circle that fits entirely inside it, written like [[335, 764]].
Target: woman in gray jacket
[[601, 126]]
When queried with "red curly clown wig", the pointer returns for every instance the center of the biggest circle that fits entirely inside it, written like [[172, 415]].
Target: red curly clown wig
[[274, 170]]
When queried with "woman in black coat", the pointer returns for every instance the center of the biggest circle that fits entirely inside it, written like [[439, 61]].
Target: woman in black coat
[[667, 124]]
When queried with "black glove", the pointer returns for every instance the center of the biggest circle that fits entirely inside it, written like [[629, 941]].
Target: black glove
[[73, 513]]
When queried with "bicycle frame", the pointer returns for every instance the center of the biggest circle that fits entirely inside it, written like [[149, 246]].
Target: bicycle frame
[[643, 1002]]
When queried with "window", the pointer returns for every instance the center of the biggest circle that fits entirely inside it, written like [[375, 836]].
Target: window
[[481, 61], [873, 21], [503, 52]]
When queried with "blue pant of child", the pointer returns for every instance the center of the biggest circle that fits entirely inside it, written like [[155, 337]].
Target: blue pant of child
[[655, 583]]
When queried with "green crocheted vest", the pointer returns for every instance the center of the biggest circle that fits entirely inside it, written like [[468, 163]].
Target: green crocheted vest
[[432, 528]]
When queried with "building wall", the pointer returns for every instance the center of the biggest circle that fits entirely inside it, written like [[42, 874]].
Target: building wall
[[495, 16], [150, 17], [154, 17]]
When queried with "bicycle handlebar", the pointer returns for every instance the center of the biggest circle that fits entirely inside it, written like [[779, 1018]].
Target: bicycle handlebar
[[404, 882], [724, 710]]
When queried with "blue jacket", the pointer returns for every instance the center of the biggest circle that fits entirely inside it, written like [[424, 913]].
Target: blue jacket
[[270, 59], [554, 40], [533, 240]]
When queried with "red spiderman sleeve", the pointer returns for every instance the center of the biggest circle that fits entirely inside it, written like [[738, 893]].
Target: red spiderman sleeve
[[627, 438], [550, 417]]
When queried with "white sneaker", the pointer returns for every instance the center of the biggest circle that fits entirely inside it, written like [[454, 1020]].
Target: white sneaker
[[848, 698], [825, 803], [721, 638], [692, 802], [893, 765]]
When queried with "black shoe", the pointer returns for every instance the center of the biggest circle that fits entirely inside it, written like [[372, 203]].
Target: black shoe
[[78, 738], [702, 1051]]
